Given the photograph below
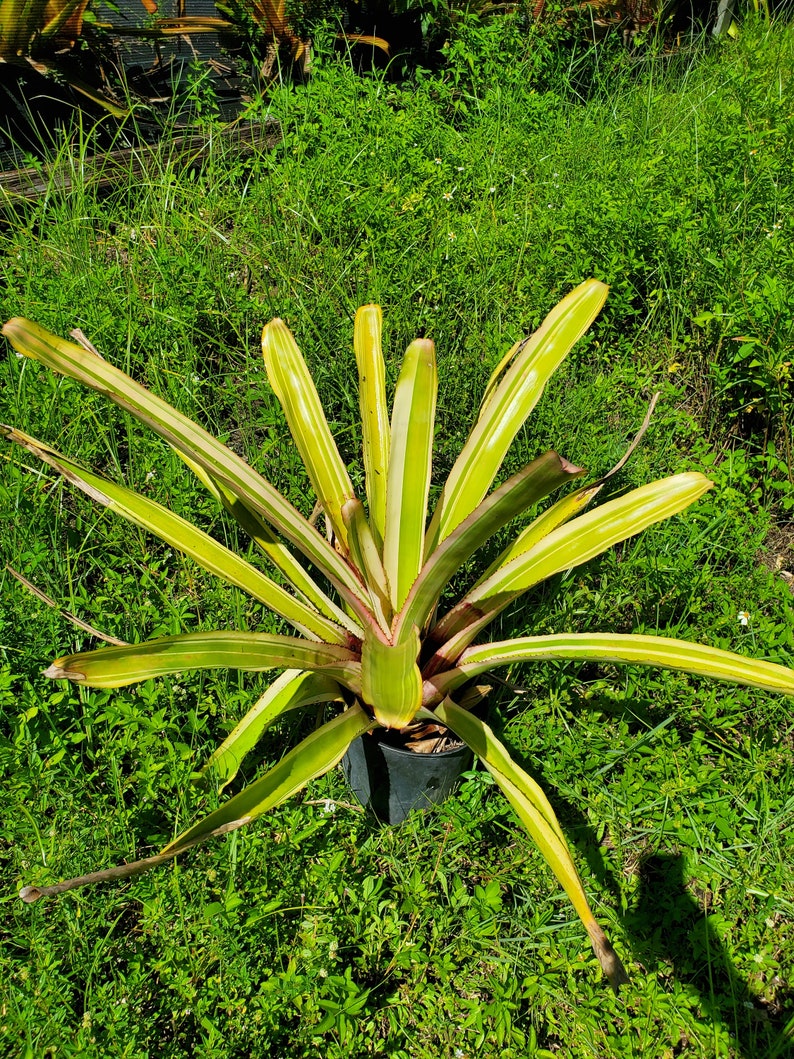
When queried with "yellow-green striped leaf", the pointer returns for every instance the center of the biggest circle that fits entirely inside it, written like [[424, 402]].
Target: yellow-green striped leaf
[[289, 691], [293, 385], [566, 547], [365, 555], [183, 434], [391, 684], [408, 480], [520, 492], [276, 550], [507, 407], [186, 538], [536, 814], [557, 515], [621, 648], [316, 755], [115, 667], [374, 412]]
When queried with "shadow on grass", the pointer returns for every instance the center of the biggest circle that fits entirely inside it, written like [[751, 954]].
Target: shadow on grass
[[673, 934], [670, 928]]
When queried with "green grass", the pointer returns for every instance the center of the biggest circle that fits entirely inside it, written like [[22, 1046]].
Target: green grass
[[466, 205]]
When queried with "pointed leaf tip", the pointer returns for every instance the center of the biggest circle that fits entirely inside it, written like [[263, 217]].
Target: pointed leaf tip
[[610, 962], [56, 672], [568, 467]]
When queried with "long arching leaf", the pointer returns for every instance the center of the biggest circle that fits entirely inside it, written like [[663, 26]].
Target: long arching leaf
[[316, 755], [185, 435], [516, 495], [507, 408], [274, 548], [293, 385], [115, 667], [364, 553], [291, 690], [375, 428], [622, 648], [565, 547], [186, 538], [536, 814], [408, 482]]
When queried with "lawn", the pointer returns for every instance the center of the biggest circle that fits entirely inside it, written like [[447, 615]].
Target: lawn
[[466, 202]]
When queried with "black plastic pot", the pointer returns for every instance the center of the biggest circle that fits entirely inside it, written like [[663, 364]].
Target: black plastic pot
[[392, 781]]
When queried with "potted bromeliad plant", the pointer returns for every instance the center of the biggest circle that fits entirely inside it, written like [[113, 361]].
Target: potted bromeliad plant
[[382, 644]]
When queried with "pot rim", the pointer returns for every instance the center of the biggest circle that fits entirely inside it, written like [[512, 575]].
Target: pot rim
[[412, 753]]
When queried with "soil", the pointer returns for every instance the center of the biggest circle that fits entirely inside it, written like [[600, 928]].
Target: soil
[[422, 738]]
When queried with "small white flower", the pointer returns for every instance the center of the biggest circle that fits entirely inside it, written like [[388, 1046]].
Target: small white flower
[[329, 807], [492, 189], [451, 236], [460, 168], [743, 617], [448, 195], [150, 475], [437, 161]]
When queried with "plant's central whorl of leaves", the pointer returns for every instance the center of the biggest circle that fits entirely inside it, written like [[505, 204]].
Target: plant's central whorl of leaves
[[384, 648]]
